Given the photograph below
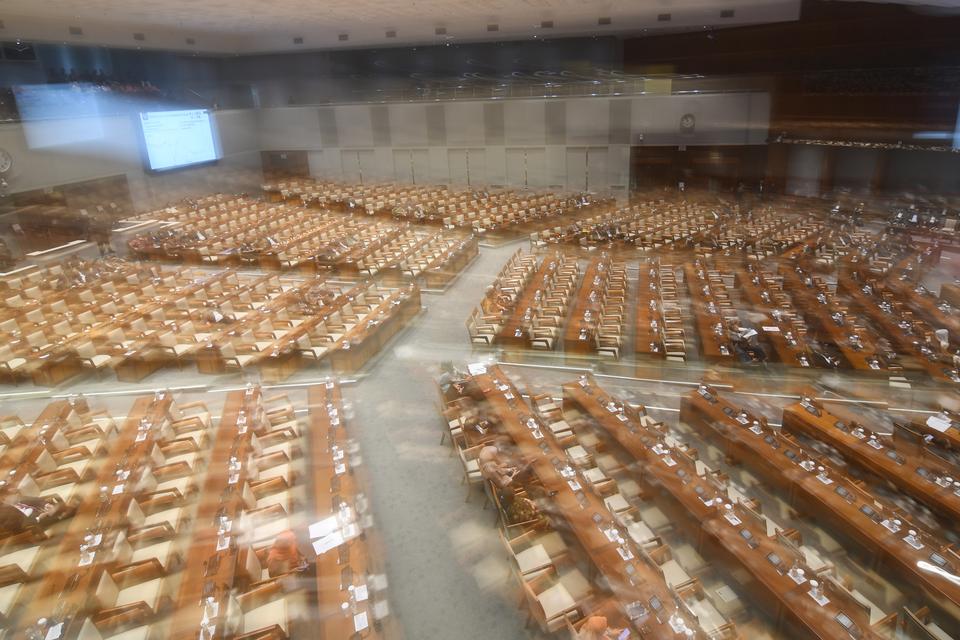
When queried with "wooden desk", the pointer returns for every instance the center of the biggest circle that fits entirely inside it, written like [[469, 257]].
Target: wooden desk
[[514, 331], [905, 340], [352, 563], [673, 472], [839, 504], [365, 340], [66, 592], [817, 305], [22, 453], [632, 581], [781, 334], [209, 572], [712, 309], [900, 467], [649, 320], [579, 338]]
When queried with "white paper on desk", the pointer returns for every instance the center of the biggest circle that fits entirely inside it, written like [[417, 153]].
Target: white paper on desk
[[340, 469], [938, 423], [360, 621], [326, 543], [621, 417], [323, 528], [221, 545], [477, 369], [772, 329], [360, 593]]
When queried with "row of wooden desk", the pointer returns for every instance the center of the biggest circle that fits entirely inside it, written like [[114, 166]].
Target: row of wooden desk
[[729, 532], [642, 599], [814, 485]]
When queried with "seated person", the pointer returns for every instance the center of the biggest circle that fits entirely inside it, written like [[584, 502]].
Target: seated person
[[595, 628], [502, 463], [21, 513], [285, 557]]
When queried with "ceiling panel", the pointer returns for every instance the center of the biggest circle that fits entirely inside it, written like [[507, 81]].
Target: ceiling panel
[[252, 25]]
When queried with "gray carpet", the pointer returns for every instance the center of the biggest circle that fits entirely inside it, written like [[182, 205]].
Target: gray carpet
[[448, 577]]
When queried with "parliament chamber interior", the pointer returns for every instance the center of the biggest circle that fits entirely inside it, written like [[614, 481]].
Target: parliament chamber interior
[[595, 320]]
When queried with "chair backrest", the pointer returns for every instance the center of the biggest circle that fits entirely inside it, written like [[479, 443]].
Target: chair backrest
[[106, 592]]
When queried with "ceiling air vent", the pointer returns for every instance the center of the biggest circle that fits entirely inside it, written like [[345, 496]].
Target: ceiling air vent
[[493, 27], [76, 31], [298, 40], [139, 36], [664, 17], [391, 33], [440, 31], [343, 37], [604, 21], [546, 24], [727, 13], [191, 41]]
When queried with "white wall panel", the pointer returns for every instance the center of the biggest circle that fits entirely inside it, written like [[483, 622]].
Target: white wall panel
[[495, 165], [439, 167], [353, 126], [525, 122], [464, 123], [408, 125], [576, 178], [350, 165], [288, 129], [803, 170], [588, 121]]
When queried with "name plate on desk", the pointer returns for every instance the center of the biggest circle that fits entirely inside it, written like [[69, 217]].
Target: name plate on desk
[[819, 598]]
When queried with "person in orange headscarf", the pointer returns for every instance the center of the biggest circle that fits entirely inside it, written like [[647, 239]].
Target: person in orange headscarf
[[285, 556], [595, 628]]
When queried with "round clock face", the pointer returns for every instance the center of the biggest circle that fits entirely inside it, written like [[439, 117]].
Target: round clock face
[[688, 122], [6, 161]]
